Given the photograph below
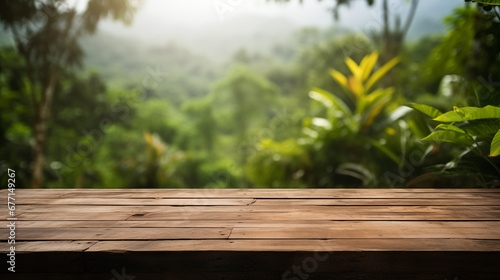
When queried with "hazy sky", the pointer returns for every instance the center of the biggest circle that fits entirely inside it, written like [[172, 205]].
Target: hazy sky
[[156, 15]]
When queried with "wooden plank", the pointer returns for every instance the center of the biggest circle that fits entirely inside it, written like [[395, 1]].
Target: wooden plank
[[317, 216], [117, 233], [378, 201], [47, 246], [260, 193], [260, 190], [62, 216], [259, 202], [163, 224], [308, 245], [305, 224], [244, 234], [339, 213], [399, 230], [131, 201], [257, 208], [354, 215]]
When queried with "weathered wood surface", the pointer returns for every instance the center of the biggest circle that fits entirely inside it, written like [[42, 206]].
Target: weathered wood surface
[[255, 234]]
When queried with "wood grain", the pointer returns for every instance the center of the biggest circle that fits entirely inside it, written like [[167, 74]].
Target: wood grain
[[255, 233]]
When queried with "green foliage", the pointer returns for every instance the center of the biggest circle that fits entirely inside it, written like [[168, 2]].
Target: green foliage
[[318, 59], [426, 109], [249, 99], [278, 164], [245, 122], [368, 104], [350, 141], [154, 166], [472, 128], [462, 122], [454, 52], [488, 2]]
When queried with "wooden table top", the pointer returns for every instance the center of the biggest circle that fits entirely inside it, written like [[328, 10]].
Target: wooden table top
[[281, 220]]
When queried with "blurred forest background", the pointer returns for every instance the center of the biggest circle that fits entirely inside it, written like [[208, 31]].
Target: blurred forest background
[[248, 94]]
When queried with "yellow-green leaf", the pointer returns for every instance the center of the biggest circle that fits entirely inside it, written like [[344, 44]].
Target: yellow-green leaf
[[367, 65], [469, 114], [495, 145], [329, 100], [450, 136], [356, 86], [450, 127], [340, 78], [355, 69], [426, 109], [372, 98], [381, 72], [374, 110]]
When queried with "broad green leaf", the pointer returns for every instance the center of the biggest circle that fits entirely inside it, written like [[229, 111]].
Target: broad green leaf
[[482, 127], [340, 78], [426, 109], [470, 113], [450, 127], [450, 136], [329, 100], [495, 145], [355, 69], [381, 72], [451, 116]]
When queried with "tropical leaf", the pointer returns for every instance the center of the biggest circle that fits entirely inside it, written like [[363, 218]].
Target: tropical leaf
[[470, 113], [426, 109], [450, 127], [450, 136], [355, 69], [356, 86], [372, 98], [495, 145], [481, 127], [329, 100], [367, 65], [340, 78], [375, 77]]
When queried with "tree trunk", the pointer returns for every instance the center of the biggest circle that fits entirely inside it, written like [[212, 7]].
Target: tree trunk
[[392, 40], [40, 130]]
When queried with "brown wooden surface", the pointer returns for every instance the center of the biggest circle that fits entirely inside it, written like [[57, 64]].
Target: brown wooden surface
[[366, 233]]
